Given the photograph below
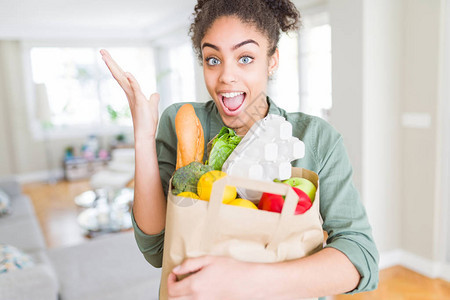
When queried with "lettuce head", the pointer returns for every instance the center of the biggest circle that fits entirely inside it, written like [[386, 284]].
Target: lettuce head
[[222, 146]]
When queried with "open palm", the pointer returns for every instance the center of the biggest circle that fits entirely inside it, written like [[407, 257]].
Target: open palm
[[143, 111]]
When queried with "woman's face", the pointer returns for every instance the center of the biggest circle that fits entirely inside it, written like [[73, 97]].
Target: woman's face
[[236, 69]]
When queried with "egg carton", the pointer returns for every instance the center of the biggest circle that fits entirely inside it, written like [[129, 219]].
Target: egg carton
[[265, 153]]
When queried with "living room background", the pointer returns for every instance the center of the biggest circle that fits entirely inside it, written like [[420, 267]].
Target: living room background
[[387, 101]]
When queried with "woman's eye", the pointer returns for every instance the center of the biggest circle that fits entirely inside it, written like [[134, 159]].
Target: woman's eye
[[245, 60], [212, 61]]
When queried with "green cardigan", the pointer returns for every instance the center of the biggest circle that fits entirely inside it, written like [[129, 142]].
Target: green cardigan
[[344, 216]]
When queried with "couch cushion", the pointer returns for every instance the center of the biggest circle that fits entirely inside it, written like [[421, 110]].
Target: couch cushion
[[23, 233], [37, 283], [141, 290], [21, 206], [40, 257], [11, 186], [109, 267]]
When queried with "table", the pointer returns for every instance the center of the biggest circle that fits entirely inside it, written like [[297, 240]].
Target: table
[[105, 211], [81, 168]]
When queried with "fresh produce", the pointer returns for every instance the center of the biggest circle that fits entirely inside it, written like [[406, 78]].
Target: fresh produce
[[304, 184], [191, 142], [185, 179], [243, 203], [222, 146], [188, 195], [204, 186], [274, 202]]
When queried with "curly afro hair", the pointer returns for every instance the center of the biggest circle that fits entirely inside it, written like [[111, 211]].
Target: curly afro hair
[[270, 17]]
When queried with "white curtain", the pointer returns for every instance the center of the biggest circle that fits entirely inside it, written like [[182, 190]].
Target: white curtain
[[20, 153], [10, 93]]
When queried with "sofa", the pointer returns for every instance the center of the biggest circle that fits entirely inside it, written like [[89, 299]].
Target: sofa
[[108, 267]]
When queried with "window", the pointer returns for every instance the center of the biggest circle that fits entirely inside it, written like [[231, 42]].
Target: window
[[315, 65], [303, 80], [174, 70], [75, 92], [182, 75], [284, 86]]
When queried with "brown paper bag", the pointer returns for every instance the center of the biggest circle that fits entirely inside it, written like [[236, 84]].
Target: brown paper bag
[[195, 227]]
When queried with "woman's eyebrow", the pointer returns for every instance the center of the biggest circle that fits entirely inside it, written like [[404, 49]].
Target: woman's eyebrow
[[210, 45], [249, 41]]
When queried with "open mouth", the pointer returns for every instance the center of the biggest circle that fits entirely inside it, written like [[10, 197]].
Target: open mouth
[[232, 102]]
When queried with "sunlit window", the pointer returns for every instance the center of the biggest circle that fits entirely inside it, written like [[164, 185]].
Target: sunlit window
[[182, 75], [303, 79], [315, 69], [284, 85], [80, 91]]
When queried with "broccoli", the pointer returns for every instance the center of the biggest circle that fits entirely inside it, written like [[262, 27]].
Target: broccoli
[[185, 179]]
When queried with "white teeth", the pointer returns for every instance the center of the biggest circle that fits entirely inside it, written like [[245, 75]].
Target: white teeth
[[230, 95]]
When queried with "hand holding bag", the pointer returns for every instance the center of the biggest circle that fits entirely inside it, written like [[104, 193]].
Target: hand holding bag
[[196, 227]]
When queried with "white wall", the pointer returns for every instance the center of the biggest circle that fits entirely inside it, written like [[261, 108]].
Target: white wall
[[382, 84], [366, 45], [443, 248], [421, 77], [386, 67], [347, 78]]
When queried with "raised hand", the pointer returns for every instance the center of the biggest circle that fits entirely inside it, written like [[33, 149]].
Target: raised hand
[[143, 111]]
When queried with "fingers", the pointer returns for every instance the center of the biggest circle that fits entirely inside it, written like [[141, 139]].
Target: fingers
[[154, 98], [192, 265], [184, 287], [110, 61], [174, 286], [178, 289], [192, 284], [171, 280], [134, 85], [116, 71]]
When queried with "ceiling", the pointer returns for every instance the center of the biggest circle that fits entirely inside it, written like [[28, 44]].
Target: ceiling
[[97, 19], [41, 19]]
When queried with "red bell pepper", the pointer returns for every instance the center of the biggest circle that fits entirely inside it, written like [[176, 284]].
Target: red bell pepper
[[274, 202]]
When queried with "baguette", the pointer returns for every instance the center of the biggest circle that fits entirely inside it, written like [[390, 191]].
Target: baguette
[[191, 143]]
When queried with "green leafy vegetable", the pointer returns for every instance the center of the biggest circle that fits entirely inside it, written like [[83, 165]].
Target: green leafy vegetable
[[222, 146]]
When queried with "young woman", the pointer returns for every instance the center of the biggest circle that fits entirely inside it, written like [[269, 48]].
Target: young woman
[[236, 42]]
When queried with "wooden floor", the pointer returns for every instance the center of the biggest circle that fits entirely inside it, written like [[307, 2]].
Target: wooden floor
[[398, 283], [57, 214]]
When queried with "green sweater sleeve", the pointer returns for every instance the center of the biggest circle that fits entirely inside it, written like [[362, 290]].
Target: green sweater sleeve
[[151, 246], [343, 213]]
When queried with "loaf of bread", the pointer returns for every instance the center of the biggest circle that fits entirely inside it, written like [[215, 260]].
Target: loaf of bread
[[191, 143]]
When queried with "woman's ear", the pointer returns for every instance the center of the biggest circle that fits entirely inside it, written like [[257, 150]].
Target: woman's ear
[[273, 62]]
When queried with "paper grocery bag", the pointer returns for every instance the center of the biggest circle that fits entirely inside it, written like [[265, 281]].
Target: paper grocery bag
[[196, 227]]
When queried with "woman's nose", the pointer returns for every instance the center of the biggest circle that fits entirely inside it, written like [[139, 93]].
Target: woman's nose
[[228, 73]]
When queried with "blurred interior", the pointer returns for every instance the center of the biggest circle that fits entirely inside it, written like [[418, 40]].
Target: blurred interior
[[378, 71]]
